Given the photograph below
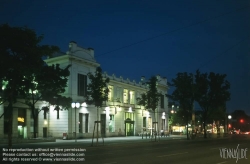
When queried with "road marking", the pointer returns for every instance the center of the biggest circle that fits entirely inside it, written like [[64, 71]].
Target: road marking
[[156, 148], [215, 148], [222, 162], [172, 154]]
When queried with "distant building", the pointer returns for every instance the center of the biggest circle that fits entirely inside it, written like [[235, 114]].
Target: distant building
[[120, 117]]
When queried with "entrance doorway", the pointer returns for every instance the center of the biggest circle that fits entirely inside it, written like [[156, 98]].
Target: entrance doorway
[[20, 131], [103, 125], [129, 127]]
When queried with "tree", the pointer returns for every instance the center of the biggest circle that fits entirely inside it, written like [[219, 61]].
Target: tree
[[47, 85], [211, 93], [97, 92], [183, 94], [151, 98], [21, 58]]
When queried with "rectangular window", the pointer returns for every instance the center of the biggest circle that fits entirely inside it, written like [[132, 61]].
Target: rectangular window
[[86, 123], [125, 96], [80, 122], [119, 95], [111, 123], [144, 122], [149, 122], [129, 116], [162, 101], [111, 93], [132, 97], [163, 124], [44, 115], [45, 111], [82, 85]]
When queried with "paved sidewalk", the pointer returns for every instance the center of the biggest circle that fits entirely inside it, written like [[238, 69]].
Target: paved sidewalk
[[113, 139], [128, 138]]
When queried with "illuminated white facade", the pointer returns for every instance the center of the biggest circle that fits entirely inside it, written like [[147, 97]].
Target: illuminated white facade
[[119, 117]]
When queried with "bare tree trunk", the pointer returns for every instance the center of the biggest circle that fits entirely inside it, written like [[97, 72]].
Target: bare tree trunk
[[187, 130], [204, 124], [204, 127], [155, 127], [97, 127], [35, 118]]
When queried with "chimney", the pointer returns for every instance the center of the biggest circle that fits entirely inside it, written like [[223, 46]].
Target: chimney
[[91, 51], [72, 46]]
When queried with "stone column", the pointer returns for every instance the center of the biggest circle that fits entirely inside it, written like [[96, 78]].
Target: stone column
[[27, 121]]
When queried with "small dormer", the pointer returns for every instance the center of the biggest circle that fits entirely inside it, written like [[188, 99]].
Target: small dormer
[[84, 53]]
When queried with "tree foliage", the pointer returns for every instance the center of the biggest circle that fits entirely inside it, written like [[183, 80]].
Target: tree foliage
[[21, 66], [151, 98], [177, 115], [47, 85], [212, 92], [97, 92], [183, 94]]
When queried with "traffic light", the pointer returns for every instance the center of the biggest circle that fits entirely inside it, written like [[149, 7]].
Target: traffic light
[[229, 125], [241, 120]]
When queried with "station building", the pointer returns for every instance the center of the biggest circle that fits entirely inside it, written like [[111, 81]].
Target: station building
[[120, 115]]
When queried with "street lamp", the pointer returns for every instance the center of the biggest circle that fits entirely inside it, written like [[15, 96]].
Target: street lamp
[[173, 111], [75, 105]]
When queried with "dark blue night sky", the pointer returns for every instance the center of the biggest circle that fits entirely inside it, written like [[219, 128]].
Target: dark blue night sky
[[132, 38]]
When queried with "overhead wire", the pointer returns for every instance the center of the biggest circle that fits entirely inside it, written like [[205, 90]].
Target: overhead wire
[[175, 30], [223, 53]]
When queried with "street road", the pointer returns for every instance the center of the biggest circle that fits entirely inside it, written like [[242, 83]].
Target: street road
[[170, 151]]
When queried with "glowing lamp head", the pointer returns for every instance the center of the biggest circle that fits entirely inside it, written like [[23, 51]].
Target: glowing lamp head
[[75, 104]]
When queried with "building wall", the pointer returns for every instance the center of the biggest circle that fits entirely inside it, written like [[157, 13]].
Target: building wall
[[82, 62], [26, 128], [55, 127]]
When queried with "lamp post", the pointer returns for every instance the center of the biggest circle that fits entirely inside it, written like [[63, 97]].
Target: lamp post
[[229, 118], [75, 105]]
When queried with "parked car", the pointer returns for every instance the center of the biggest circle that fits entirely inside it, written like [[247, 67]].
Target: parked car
[[235, 131], [245, 132], [209, 131]]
